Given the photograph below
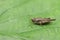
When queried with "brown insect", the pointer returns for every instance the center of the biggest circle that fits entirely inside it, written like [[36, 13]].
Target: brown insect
[[42, 21]]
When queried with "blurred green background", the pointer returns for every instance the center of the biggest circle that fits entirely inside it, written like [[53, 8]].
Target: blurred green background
[[15, 19]]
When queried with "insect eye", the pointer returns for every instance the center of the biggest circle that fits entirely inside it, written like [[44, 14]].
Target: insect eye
[[48, 18]]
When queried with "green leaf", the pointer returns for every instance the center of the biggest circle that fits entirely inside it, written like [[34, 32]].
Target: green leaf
[[15, 19]]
